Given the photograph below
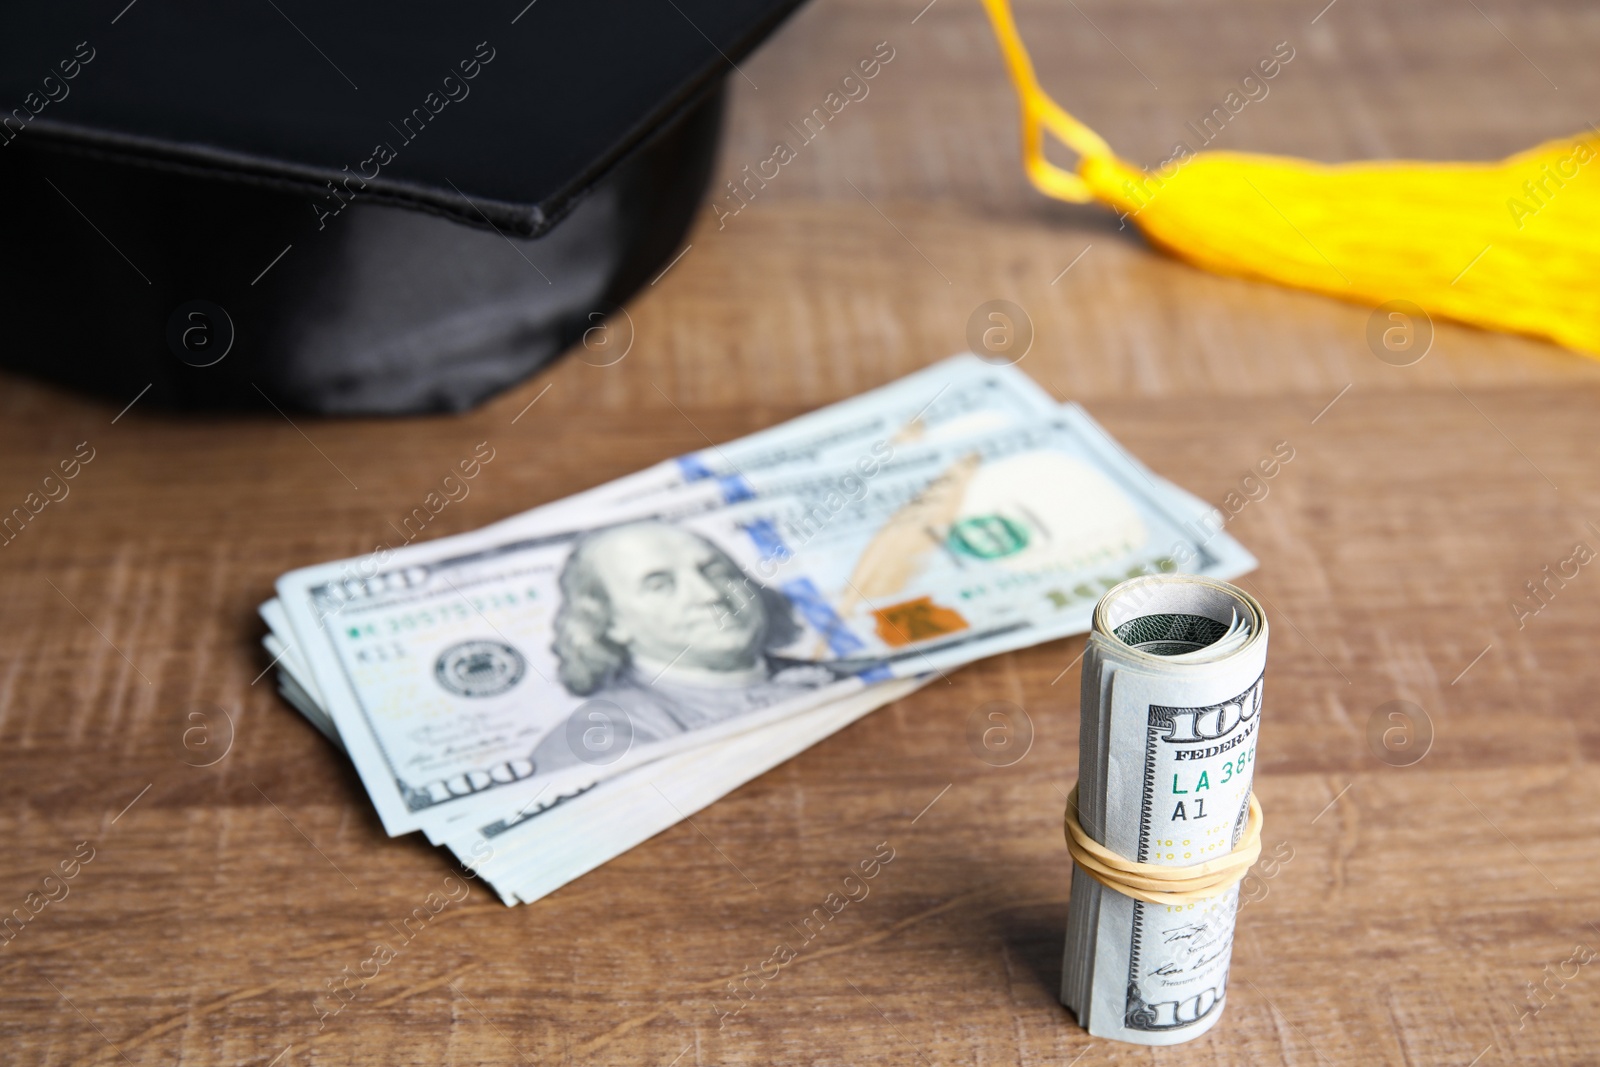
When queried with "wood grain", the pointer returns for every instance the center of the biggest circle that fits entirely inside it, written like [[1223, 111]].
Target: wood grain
[[1420, 900]]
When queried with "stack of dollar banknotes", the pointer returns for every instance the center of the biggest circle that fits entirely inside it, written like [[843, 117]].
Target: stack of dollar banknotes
[[547, 692]]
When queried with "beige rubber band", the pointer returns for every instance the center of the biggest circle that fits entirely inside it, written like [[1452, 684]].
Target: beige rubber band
[[1156, 884]]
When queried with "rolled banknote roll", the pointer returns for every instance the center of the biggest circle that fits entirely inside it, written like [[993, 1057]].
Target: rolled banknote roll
[[1171, 710]]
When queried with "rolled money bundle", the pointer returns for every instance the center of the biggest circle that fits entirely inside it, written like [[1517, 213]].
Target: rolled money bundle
[[1167, 741]]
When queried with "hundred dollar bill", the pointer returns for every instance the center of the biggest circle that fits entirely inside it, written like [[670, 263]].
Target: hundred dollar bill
[[476, 671], [953, 398], [1171, 710], [472, 664]]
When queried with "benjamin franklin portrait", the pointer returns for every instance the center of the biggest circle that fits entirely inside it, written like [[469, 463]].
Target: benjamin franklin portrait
[[659, 624]]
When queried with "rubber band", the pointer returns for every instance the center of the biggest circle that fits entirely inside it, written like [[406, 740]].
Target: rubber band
[[1157, 884]]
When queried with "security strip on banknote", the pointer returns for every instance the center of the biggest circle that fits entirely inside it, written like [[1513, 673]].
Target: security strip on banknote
[[746, 600]]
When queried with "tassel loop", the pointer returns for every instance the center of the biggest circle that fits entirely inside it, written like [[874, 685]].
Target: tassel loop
[[1040, 113]]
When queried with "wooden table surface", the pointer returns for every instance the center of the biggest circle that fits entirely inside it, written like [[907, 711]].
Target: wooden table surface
[[1420, 901]]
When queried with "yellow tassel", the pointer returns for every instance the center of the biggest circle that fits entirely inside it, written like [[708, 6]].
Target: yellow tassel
[[1512, 245]]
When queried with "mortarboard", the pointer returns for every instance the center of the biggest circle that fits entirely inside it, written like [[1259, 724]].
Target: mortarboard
[[353, 207]]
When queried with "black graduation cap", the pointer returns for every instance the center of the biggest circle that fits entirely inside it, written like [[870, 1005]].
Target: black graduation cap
[[347, 207]]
